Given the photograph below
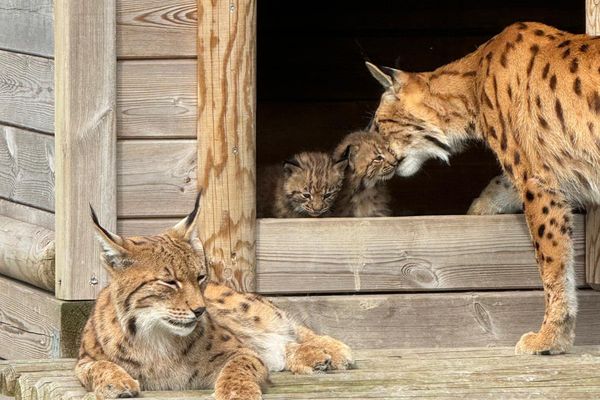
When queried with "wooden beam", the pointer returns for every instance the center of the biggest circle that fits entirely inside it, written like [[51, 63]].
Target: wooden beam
[[592, 220], [27, 96], [400, 254], [27, 253], [85, 141], [27, 167], [226, 138], [27, 214], [26, 27], [34, 324], [390, 254]]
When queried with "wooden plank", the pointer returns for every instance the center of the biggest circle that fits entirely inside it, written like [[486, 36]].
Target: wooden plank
[[27, 91], [85, 141], [592, 220], [34, 324], [27, 214], [27, 253], [156, 28], [392, 254], [156, 98], [227, 139], [27, 167], [26, 27], [156, 177], [436, 319]]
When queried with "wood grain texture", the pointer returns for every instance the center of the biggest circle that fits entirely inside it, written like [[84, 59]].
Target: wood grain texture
[[156, 28], [400, 254], [27, 253], [34, 324], [27, 167], [27, 91], [436, 319], [85, 141], [156, 98], [156, 177], [442, 373], [226, 139], [27, 214], [390, 254], [26, 26], [592, 219]]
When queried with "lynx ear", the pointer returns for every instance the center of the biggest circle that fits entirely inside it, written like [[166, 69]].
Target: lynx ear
[[387, 76], [291, 165], [186, 228], [113, 252], [341, 157]]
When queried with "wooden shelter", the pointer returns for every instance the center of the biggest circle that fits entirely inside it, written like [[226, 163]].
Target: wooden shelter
[[112, 103]]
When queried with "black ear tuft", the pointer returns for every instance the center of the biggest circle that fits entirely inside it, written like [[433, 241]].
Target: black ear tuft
[[192, 216], [97, 223]]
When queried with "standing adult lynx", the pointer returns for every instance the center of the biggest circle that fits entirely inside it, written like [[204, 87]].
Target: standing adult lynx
[[532, 94]]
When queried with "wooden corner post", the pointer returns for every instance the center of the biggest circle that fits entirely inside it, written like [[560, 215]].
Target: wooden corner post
[[85, 170], [226, 138], [592, 219]]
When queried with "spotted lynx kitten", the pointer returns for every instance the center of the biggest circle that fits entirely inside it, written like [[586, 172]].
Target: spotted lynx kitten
[[370, 164], [531, 94], [159, 325], [307, 185]]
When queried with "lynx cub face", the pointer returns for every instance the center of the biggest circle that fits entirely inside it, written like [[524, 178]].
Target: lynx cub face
[[311, 183]]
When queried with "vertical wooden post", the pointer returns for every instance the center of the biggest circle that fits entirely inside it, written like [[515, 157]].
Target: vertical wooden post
[[85, 167], [592, 219], [226, 138]]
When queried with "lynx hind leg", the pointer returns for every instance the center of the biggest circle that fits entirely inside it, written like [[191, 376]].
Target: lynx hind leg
[[317, 353], [549, 219], [498, 197]]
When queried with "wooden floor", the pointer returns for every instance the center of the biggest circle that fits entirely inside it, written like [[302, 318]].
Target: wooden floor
[[379, 374]]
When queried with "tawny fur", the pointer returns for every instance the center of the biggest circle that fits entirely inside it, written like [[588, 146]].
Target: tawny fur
[[307, 185], [159, 326], [532, 94], [498, 197], [370, 165]]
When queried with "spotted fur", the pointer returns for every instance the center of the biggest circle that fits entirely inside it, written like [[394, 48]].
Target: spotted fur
[[532, 94], [160, 326], [370, 165], [307, 185]]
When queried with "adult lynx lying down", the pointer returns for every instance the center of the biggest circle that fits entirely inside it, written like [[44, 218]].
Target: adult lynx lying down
[[159, 325]]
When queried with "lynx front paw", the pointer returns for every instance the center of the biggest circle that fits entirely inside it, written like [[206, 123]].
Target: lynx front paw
[[119, 386], [541, 344], [341, 354], [306, 358], [238, 390]]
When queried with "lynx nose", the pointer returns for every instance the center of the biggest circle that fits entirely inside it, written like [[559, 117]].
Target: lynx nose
[[199, 311]]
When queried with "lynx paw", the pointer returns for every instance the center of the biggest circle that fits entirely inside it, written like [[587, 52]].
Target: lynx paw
[[341, 354], [306, 359], [238, 390], [539, 344], [118, 387]]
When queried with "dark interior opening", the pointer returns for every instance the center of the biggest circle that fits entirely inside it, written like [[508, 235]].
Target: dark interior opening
[[313, 87]]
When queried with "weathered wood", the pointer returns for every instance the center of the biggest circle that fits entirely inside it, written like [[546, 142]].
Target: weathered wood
[[436, 319], [27, 167], [34, 324], [156, 28], [391, 254], [27, 91], [472, 373], [592, 219], [156, 178], [10, 373], [27, 253], [156, 98], [26, 26], [85, 141], [27, 214], [226, 139]]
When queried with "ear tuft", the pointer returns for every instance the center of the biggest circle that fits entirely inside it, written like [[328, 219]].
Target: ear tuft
[[186, 228], [113, 253], [192, 216]]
